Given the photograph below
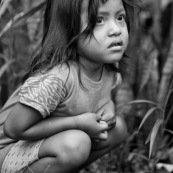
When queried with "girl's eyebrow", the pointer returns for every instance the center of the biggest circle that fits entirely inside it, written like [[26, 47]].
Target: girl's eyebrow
[[105, 12]]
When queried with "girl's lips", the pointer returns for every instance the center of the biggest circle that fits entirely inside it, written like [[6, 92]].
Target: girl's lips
[[116, 45], [116, 48]]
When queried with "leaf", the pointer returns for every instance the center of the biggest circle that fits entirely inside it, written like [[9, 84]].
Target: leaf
[[147, 71], [149, 112], [148, 138], [3, 6], [10, 23], [166, 77], [133, 154], [20, 18], [137, 102], [5, 58], [5, 67], [167, 167], [154, 135], [168, 105], [169, 131]]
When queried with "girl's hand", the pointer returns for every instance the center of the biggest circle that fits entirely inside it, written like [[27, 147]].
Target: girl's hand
[[107, 113], [105, 133], [109, 118], [90, 123]]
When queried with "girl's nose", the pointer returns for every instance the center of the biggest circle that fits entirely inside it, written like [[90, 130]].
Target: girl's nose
[[114, 29]]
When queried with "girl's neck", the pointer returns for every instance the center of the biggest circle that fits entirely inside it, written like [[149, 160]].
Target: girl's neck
[[91, 70]]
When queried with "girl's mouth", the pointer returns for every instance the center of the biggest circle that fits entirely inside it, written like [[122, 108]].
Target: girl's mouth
[[116, 44]]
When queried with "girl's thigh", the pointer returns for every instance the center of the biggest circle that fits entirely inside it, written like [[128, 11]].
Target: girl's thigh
[[3, 154], [20, 155], [70, 147]]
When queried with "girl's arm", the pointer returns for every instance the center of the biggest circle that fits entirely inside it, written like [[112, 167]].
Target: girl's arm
[[26, 123]]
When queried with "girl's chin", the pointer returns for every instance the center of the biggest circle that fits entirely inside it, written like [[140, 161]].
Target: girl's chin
[[114, 60]]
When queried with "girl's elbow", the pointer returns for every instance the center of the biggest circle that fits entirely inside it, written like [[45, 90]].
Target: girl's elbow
[[10, 132]]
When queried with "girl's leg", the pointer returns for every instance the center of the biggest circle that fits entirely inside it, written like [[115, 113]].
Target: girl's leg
[[70, 151], [62, 153], [3, 154]]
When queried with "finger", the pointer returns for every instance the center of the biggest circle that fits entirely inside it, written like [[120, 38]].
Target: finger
[[108, 116], [98, 117], [100, 112], [105, 116], [111, 127], [111, 122], [103, 136], [103, 124], [96, 140]]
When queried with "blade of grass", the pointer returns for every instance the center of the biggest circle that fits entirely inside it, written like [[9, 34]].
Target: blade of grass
[[154, 135], [148, 139], [3, 6], [20, 18], [5, 67], [5, 58], [149, 112], [168, 115], [169, 131], [139, 155], [10, 23], [137, 102]]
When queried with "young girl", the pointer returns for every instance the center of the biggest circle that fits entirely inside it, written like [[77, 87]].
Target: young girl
[[63, 118]]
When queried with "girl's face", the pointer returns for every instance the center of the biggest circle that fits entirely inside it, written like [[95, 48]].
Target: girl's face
[[110, 35]]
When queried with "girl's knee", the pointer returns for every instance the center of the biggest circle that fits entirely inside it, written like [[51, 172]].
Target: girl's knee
[[119, 133], [121, 128], [70, 147], [76, 149]]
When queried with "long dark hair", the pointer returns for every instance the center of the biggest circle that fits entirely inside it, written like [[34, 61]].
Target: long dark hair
[[61, 31]]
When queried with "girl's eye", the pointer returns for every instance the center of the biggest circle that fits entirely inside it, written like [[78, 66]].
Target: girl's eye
[[121, 17], [99, 20]]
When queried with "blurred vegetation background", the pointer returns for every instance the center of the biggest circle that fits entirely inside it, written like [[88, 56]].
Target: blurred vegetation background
[[144, 99]]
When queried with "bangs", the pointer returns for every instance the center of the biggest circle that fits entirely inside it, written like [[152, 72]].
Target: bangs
[[92, 16]]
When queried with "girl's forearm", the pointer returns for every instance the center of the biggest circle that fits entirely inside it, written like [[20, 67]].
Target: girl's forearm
[[48, 127], [45, 128], [25, 123]]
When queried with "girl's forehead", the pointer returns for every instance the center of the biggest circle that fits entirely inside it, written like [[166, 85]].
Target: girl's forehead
[[103, 4], [111, 4]]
